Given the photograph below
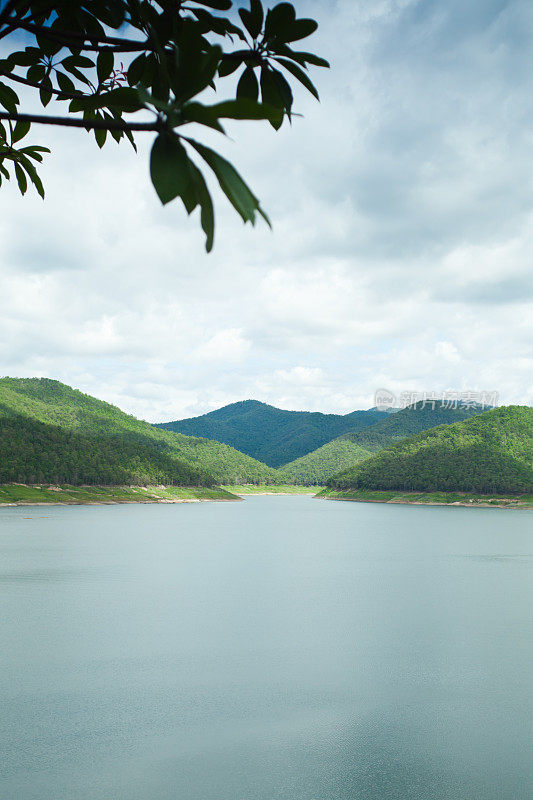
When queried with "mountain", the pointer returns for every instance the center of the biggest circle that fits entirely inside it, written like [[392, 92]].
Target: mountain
[[489, 453], [408, 421], [317, 467], [50, 432], [271, 434]]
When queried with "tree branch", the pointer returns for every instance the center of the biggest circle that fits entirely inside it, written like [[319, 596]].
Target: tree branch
[[26, 82], [6, 13], [116, 43], [88, 124]]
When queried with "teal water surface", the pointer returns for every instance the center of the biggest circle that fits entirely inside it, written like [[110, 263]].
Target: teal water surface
[[281, 648]]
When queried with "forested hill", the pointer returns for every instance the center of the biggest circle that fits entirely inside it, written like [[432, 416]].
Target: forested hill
[[50, 432], [408, 421], [270, 434], [317, 467], [489, 453]]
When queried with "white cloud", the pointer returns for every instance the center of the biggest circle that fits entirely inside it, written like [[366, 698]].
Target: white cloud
[[401, 250]]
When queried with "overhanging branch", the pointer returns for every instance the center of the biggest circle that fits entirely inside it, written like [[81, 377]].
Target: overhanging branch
[[88, 124], [19, 79], [97, 42]]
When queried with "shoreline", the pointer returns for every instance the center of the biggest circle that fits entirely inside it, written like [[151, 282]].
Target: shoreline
[[13, 495], [244, 490], [18, 503], [448, 499]]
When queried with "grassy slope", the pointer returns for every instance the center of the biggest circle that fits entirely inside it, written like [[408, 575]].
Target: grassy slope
[[430, 498], [66, 426], [491, 453], [315, 468], [79, 495], [273, 435]]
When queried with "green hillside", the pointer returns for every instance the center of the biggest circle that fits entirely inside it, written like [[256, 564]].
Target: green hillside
[[345, 451], [489, 453], [408, 421], [50, 432], [271, 434], [315, 468]]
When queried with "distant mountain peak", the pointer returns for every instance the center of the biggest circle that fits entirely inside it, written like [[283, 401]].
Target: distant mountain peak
[[272, 435]]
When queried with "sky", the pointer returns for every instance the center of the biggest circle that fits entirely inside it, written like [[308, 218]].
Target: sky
[[401, 250]]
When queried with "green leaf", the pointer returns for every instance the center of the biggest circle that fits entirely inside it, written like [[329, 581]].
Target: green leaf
[[284, 89], [100, 136], [230, 62], [20, 130], [25, 58], [104, 65], [78, 61], [36, 73], [77, 74], [8, 98], [123, 99], [257, 14], [219, 25], [136, 69], [21, 178], [246, 109], [231, 183], [32, 172], [207, 212], [279, 19], [34, 148], [170, 168], [271, 96], [203, 115], [45, 91], [299, 74], [252, 19], [307, 58], [300, 29], [64, 83], [248, 86]]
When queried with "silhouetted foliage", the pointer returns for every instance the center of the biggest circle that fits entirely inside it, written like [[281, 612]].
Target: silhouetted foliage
[[106, 60]]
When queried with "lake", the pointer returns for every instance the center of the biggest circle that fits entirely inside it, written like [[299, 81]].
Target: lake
[[281, 648]]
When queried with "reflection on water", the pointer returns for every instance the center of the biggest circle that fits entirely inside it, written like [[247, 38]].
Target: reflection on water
[[282, 648]]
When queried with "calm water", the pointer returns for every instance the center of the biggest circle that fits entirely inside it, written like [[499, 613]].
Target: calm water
[[282, 648]]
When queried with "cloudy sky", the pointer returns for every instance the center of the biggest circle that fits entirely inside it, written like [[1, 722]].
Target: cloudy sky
[[402, 244]]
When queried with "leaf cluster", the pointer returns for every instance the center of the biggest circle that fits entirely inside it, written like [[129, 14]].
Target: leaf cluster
[[113, 62]]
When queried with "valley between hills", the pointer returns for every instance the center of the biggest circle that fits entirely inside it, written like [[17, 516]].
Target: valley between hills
[[59, 445]]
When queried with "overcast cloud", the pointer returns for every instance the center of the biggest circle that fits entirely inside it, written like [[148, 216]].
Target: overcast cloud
[[402, 245]]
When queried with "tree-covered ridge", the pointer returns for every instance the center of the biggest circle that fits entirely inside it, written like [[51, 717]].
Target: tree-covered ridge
[[46, 425], [34, 452], [413, 419], [345, 451], [489, 453], [270, 434], [315, 468]]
